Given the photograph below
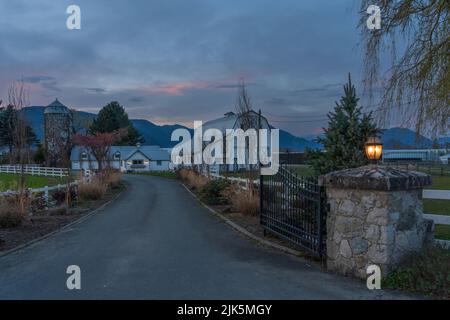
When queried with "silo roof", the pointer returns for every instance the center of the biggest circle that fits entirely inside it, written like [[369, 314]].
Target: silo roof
[[56, 107]]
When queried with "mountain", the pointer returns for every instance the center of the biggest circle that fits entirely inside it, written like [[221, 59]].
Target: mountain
[[152, 133], [293, 143], [393, 138], [403, 138], [157, 135]]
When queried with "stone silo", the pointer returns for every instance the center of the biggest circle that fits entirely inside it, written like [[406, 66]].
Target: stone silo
[[58, 133]]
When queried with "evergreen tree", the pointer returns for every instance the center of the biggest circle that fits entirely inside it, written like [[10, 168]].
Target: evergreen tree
[[8, 120], [113, 117], [39, 155], [346, 135]]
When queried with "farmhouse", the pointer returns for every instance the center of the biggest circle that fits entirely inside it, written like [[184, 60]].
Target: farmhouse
[[125, 158]]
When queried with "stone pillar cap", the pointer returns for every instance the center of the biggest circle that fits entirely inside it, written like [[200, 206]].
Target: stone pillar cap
[[376, 178]]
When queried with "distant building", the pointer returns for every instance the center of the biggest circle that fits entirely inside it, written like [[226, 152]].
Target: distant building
[[124, 158], [231, 120], [414, 155], [57, 133], [445, 159]]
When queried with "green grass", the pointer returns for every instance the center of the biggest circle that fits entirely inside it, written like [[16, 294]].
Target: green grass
[[425, 272], [436, 206], [163, 174], [11, 181], [440, 183], [302, 170], [442, 231]]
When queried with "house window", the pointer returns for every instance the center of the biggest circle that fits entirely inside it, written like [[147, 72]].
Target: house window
[[158, 162], [117, 155], [138, 161], [84, 156]]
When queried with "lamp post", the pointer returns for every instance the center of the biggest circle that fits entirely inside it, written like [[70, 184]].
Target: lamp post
[[373, 149]]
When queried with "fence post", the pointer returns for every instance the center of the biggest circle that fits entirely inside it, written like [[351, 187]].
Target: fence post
[[46, 195], [373, 218]]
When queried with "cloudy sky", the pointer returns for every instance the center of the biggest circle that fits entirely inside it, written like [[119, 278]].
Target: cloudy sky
[[175, 61]]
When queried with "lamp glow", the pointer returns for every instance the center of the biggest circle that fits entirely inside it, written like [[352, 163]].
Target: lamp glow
[[373, 148]]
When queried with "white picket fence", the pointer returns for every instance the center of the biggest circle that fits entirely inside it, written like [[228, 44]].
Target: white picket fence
[[87, 177], [35, 170], [243, 183]]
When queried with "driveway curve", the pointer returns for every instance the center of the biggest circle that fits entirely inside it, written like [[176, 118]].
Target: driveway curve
[[157, 242]]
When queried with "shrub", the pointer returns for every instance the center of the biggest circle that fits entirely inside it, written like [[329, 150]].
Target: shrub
[[245, 201], [426, 272], [60, 195], [213, 192], [13, 210], [92, 191]]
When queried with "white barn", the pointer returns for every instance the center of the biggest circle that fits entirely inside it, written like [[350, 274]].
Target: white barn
[[231, 120], [125, 158]]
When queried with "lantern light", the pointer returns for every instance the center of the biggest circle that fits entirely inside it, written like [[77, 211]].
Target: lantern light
[[373, 148]]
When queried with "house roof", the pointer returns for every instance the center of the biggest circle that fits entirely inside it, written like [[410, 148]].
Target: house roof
[[151, 152], [56, 107]]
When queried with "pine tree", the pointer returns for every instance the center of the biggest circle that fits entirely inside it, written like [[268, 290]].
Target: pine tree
[[113, 117], [346, 135]]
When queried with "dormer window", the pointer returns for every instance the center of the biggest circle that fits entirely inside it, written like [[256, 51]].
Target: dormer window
[[117, 155], [84, 156]]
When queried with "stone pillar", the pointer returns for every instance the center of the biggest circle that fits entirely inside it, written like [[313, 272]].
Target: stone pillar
[[375, 217]]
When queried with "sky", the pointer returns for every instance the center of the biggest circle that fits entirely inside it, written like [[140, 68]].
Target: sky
[[176, 61]]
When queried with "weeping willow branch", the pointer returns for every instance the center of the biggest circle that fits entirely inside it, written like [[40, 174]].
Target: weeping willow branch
[[417, 84]]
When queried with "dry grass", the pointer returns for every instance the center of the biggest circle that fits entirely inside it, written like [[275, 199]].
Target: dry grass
[[245, 201], [113, 178], [14, 210], [192, 179], [92, 191]]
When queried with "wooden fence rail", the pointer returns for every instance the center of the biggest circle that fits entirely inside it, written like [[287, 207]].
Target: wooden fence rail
[[35, 170]]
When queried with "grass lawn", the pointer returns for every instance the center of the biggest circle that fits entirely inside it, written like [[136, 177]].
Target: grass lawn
[[440, 183], [302, 170], [164, 174], [442, 231], [436, 206], [10, 181]]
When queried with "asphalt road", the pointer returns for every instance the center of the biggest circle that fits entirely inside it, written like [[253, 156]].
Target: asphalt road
[[157, 242]]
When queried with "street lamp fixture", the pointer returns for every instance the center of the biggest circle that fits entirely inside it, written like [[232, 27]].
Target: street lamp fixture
[[374, 149]]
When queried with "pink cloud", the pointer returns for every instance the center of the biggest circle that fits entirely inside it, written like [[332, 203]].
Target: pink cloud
[[179, 88]]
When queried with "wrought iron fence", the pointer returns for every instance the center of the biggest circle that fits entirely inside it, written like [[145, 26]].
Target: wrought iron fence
[[294, 208]]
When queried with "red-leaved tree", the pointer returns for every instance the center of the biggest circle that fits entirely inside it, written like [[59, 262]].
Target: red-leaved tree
[[100, 144]]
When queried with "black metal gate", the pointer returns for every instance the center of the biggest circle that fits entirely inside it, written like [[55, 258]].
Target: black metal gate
[[294, 208]]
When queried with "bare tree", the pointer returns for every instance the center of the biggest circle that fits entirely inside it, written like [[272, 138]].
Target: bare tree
[[246, 114], [18, 97], [416, 34], [244, 107]]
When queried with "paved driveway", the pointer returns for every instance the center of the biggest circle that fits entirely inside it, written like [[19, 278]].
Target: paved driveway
[[156, 241]]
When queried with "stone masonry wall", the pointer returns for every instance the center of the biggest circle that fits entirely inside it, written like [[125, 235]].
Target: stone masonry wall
[[367, 227]]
